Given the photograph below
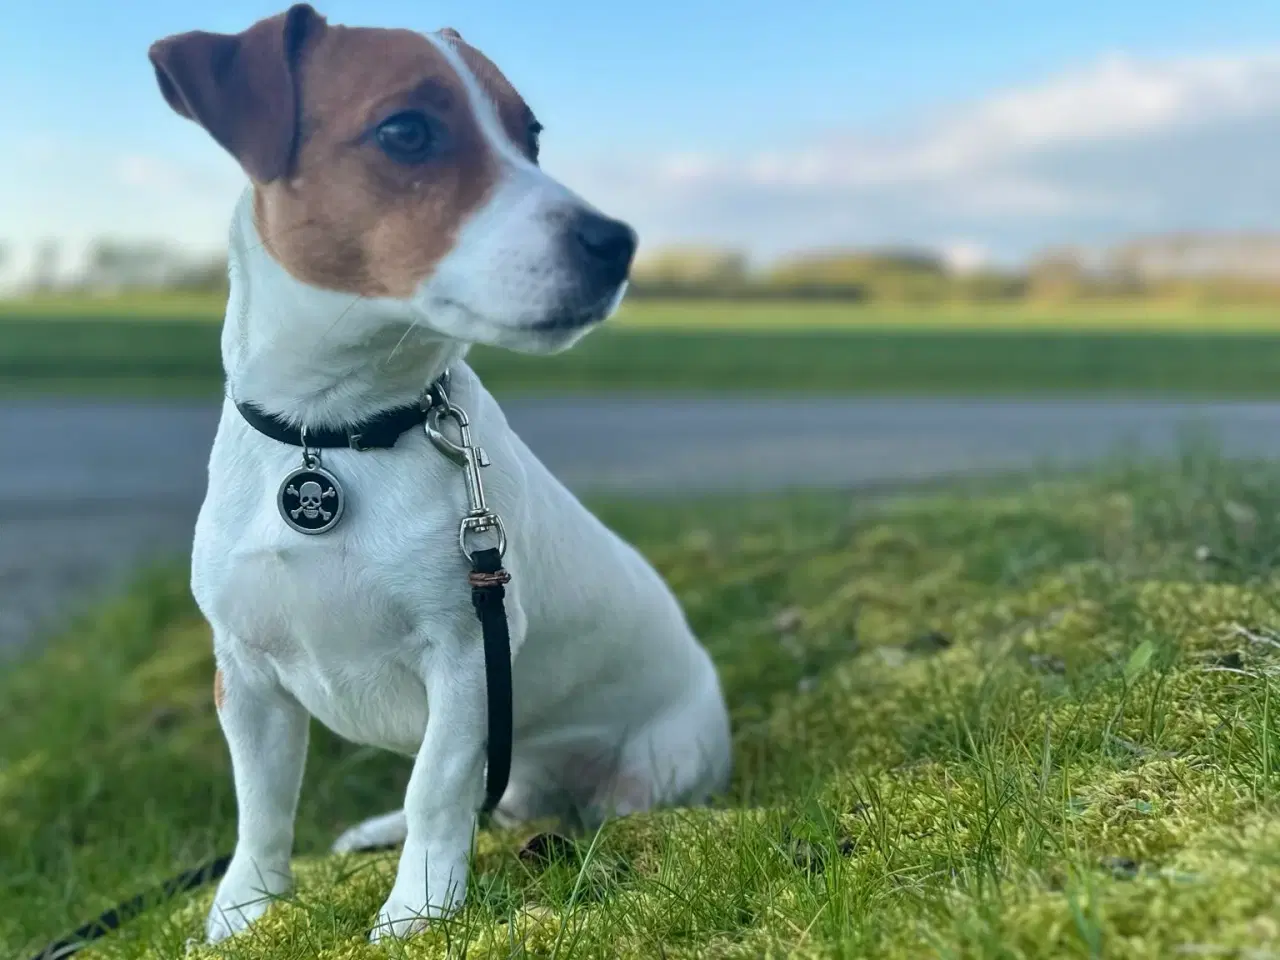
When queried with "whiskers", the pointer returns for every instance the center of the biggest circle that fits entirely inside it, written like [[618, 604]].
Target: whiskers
[[413, 325], [334, 326]]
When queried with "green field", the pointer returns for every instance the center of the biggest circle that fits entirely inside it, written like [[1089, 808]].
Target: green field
[[1033, 723], [1106, 316], [169, 347]]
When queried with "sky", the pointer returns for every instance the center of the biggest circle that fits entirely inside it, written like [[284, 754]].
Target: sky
[[987, 130]]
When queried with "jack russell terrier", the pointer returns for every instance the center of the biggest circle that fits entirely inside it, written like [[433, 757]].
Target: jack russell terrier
[[396, 214]]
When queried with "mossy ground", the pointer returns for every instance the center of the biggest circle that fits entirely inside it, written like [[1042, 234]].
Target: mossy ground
[[1034, 722]]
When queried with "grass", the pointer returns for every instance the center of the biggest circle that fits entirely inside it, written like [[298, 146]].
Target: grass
[[1039, 721], [168, 347]]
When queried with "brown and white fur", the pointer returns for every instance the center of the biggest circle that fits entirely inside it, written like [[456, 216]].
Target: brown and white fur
[[396, 214]]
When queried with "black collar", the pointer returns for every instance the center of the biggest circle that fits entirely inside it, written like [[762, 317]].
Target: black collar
[[379, 432]]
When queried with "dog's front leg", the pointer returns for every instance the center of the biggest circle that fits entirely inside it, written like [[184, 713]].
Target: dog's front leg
[[266, 732], [444, 793]]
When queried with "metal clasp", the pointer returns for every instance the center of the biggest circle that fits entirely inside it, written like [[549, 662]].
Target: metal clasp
[[310, 458], [479, 519]]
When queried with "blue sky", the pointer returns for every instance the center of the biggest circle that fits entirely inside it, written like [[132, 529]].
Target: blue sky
[[675, 106]]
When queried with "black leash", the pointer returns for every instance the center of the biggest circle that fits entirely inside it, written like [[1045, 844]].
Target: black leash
[[122, 913], [488, 582]]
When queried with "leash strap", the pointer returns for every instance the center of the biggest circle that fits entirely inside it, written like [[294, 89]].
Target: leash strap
[[487, 596], [122, 913], [488, 580]]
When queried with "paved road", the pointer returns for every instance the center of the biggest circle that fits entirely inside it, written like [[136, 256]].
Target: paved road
[[89, 490]]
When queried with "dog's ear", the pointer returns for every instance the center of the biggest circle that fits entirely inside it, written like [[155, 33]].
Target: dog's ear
[[242, 87]]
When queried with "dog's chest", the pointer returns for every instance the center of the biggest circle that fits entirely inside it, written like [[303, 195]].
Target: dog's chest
[[344, 619]]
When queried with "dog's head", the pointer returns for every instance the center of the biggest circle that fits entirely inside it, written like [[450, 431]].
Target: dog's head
[[394, 164]]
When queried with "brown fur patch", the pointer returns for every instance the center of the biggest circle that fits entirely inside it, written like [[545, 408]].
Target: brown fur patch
[[219, 694], [241, 87], [351, 218]]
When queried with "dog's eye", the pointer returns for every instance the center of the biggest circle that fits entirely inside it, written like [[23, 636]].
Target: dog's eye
[[407, 137], [533, 143]]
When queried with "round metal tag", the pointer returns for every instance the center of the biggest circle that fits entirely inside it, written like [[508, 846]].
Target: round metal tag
[[311, 500]]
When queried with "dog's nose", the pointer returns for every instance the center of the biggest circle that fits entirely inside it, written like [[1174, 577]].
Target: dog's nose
[[610, 244]]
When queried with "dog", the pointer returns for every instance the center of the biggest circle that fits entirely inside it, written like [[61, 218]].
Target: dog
[[395, 214]]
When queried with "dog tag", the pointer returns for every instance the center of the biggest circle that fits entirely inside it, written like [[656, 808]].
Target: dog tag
[[311, 500]]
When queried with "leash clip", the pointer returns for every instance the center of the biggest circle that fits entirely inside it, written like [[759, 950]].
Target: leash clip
[[479, 519]]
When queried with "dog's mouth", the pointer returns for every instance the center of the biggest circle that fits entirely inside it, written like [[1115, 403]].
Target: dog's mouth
[[570, 320], [579, 317], [564, 320]]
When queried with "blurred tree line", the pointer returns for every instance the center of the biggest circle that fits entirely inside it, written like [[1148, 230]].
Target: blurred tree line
[[1177, 269], [112, 267], [903, 276], [1210, 269]]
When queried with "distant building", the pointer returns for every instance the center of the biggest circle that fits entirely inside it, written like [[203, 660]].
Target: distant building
[[1199, 256]]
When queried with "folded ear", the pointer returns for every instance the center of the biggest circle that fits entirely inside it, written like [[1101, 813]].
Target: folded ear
[[242, 87]]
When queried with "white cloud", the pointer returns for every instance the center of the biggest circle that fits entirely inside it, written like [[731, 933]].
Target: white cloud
[[965, 256], [1122, 146]]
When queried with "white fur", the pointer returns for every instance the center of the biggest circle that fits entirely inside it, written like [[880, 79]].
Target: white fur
[[369, 628], [509, 268]]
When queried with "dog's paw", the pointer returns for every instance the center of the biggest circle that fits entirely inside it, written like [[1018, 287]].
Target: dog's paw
[[243, 896], [404, 915], [228, 919], [388, 830], [398, 918]]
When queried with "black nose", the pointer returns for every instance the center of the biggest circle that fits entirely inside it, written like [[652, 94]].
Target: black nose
[[609, 244]]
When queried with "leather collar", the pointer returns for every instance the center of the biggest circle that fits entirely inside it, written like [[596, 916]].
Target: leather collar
[[379, 432]]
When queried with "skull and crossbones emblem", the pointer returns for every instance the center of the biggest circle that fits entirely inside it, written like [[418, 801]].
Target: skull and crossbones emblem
[[310, 497]]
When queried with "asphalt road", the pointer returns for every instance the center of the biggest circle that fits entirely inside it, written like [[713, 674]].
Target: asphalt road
[[90, 490]]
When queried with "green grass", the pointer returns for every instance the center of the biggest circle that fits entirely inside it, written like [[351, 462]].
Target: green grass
[[1105, 317], [1039, 721], [165, 349]]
